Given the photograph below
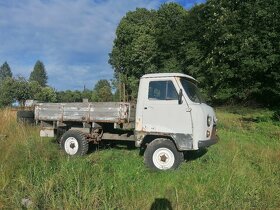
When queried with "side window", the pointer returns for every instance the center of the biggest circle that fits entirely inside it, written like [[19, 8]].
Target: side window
[[162, 90]]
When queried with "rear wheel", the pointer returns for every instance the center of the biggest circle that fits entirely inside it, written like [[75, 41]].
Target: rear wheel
[[74, 143], [161, 154]]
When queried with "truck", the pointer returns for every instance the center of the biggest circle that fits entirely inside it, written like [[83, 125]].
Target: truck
[[168, 119]]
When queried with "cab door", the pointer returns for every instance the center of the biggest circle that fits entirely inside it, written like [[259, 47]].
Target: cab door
[[162, 112]]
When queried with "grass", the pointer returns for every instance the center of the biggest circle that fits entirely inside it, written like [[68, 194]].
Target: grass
[[240, 172]]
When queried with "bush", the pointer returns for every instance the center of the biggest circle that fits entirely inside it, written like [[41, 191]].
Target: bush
[[276, 115]]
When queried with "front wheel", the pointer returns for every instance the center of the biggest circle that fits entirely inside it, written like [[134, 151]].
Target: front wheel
[[74, 143], [161, 154]]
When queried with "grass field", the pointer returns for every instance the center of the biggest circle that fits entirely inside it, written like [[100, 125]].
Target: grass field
[[242, 171]]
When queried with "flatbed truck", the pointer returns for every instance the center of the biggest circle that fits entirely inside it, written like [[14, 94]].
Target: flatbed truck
[[168, 119]]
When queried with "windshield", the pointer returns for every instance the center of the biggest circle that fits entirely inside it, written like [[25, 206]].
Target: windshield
[[191, 90]]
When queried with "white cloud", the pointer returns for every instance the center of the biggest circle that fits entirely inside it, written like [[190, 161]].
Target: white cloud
[[72, 37]]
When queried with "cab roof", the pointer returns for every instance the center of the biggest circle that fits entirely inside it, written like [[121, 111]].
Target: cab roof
[[157, 75]]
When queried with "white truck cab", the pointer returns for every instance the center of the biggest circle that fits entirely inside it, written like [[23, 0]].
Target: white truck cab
[[169, 107]]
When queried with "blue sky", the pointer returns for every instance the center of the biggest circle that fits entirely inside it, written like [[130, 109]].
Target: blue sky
[[72, 37]]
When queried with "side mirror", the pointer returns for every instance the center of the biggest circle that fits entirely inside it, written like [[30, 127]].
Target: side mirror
[[180, 97]]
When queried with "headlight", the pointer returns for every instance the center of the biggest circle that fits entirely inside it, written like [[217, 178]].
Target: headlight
[[209, 120]]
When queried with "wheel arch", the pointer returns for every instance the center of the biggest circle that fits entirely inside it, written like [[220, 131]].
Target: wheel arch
[[181, 141], [151, 137]]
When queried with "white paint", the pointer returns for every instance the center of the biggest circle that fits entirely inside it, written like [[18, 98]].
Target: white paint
[[163, 158], [199, 117], [168, 116], [71, 146], [45, 132]]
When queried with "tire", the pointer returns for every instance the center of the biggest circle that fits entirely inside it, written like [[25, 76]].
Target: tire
[[161, 154], [30, 121], [59, 133], [74, 143], [25, 114]]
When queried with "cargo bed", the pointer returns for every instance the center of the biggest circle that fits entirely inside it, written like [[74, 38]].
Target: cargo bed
[[109, 112]]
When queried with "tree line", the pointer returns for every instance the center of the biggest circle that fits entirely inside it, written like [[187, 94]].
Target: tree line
[[230, 46], [19, 89]]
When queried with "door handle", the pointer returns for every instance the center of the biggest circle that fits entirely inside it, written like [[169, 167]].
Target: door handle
[[148, 107]]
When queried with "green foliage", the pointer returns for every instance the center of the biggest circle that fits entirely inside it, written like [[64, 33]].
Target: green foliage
[[231, 47], [46, 94], [5, 71], [21, 90], [35, 89], [69, 96], [102, 94], [39, 74], [240, 172], [42, 94], [147, 42], [14, 89], [86, 94], [241, 49], [169, 26], [102, 91], [6, 92], [276, 115], [135, 50]]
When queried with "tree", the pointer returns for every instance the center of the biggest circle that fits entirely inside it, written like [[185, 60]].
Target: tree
[[230, 46], [69, 96], [169, 27], [7, 92], [35, 89], [39, 74], [147, 42], [14, 89], [42, 94], [47, 94], [135, 50], [102, 91], [5, 71], [242, 54], [21, 90], [86, 94]]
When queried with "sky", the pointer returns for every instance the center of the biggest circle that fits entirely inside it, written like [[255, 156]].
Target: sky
[[73, 38]]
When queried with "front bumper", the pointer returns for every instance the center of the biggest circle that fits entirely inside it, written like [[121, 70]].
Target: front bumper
[[208, 143], [213, 139]]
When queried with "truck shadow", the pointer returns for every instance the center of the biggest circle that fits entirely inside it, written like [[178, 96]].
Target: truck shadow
[[105, 145], [188, 155], [193, 155], [123, 145]]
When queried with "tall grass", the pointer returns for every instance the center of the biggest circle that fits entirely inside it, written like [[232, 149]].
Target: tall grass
[[241, 171]]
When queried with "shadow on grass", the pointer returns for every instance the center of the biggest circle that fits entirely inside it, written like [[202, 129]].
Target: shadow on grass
[[130, 145], [193, 155], [161, 204], [188, 155], [105, 145]]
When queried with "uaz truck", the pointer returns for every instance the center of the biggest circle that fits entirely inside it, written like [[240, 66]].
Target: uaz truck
[[168, 119]]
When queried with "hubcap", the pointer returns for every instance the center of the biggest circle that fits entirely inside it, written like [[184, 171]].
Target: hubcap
[[163, 158], [71, 146]]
